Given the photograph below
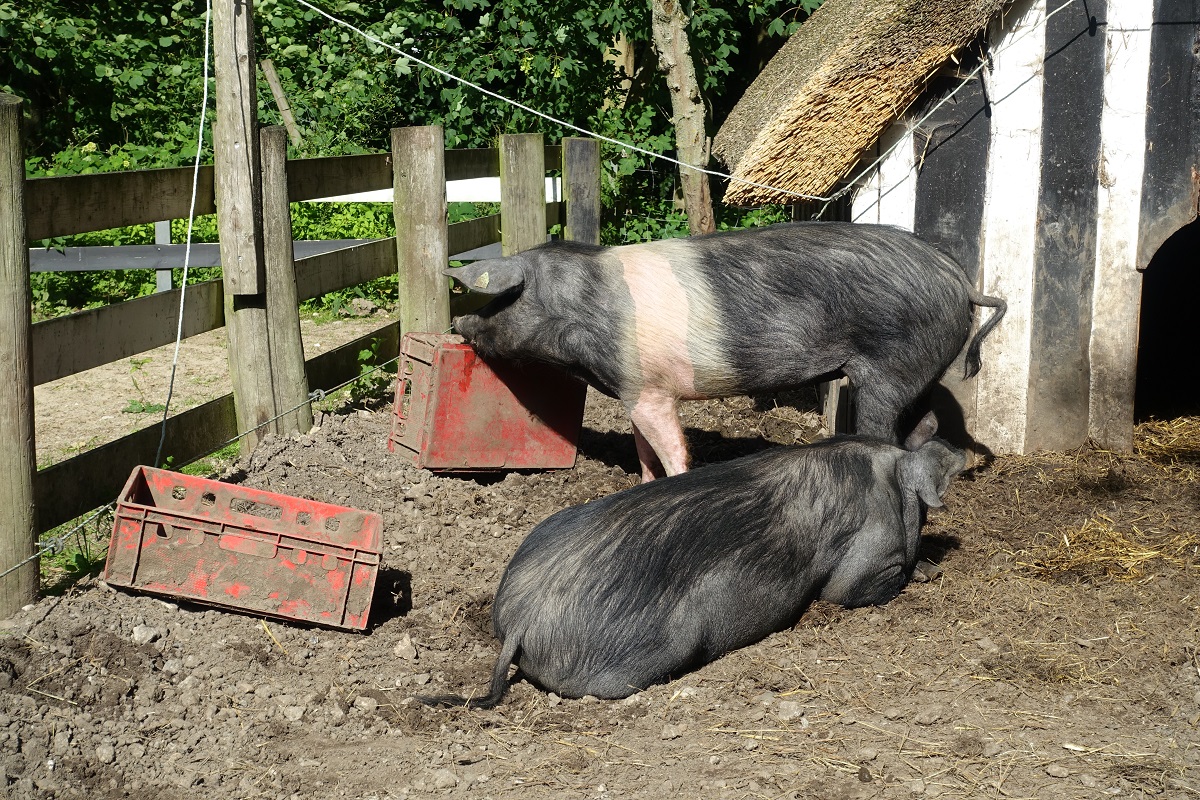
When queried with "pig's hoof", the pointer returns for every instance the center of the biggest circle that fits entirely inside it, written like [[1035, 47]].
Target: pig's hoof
[[925, 571]]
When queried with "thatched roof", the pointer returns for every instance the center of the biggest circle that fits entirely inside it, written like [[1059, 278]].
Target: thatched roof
[[848, 72]]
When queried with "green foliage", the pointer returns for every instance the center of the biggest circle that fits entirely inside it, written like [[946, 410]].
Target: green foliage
[[117, 86]]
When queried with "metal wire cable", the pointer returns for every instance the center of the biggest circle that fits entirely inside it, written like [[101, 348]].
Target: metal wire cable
[[187, 250]]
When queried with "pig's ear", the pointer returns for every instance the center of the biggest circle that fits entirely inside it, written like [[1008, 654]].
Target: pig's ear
[[494, 276], [929, 470], [921, 434]]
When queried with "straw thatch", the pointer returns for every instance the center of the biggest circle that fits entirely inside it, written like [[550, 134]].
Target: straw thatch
[[829, 93]]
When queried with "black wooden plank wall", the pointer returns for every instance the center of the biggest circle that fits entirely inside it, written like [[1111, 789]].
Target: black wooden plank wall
[[1171, 181], [1065, 246]]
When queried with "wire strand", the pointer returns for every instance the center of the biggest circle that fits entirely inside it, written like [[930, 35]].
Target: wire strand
[[187, 250]]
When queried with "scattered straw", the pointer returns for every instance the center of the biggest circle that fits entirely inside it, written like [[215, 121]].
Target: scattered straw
[[1099, 550]]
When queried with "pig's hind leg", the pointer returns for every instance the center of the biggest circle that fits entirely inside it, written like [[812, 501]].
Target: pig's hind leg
[[651, 466], [662, 448]]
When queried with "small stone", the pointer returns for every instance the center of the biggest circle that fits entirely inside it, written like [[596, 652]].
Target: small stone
[[991, 749], [1057, 771], [421, 678], [145, 634], [405, 648], [750, 745], [868, 754], [444, 779], [293, 713], [925, 571], [105, 753], [789, 710], [987, 645], [864, 774], [367, 704], [929, 715], [893, 712], [172, 666], [1089, 780], [714, 760], [672, 731], [553, 699]]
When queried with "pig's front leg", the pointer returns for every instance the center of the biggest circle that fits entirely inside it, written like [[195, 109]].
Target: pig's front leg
[[657, 432]]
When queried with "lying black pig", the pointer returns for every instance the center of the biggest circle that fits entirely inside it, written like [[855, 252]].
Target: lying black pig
[[741, 312], [612, 596]]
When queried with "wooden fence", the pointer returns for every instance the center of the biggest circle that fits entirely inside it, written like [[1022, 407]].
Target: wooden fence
[[38, 208]]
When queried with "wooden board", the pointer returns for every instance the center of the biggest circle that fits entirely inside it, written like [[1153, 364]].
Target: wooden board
[[66, 205], [67, 345]]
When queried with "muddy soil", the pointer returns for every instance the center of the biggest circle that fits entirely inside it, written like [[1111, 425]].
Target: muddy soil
[[1051, 652]]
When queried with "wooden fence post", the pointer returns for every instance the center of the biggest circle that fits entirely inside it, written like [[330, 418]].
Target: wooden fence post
[[581, 189], [522, 192], [422, 239], [18, 457], [239, 216], [289, 381]]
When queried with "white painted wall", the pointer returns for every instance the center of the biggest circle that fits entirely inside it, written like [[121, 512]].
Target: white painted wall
[[890, 194], [1014, 86], [1116, 294]]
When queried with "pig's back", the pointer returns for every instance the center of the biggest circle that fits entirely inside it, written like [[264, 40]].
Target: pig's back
[[672, 573], [764, 309]]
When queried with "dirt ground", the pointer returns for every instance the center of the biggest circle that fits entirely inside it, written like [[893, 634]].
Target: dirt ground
[[1052, 652], [82, 411]]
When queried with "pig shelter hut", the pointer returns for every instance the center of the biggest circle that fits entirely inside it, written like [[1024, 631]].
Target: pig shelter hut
[[1062, 172]]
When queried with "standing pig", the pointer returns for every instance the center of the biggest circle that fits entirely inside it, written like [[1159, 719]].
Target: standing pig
[[733, 313], [612, 596]]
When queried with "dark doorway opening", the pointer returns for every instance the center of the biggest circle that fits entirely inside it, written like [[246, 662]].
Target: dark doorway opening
[[1168, 361]]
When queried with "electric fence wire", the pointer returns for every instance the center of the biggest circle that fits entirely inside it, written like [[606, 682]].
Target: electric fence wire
[[187, 250], [827, 200]]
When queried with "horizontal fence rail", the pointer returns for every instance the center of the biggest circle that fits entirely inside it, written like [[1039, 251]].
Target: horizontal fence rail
[[66, 205], [125, 329]]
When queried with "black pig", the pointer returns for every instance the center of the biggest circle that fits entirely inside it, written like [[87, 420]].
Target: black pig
[[609, 597], [733, 313]]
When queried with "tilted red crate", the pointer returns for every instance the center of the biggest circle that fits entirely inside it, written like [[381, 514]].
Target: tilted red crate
[[456, 411], [243, 548]]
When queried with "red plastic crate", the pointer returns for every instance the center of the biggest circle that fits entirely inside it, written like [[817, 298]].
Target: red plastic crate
[[456, 411], [243, 548]]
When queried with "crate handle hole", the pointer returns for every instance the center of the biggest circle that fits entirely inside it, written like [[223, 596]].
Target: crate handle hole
[[332, 524], [179, 492], [208, 499], [303, 518], [256, 509]]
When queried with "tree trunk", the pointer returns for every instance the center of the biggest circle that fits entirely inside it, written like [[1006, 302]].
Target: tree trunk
[[687, 107]]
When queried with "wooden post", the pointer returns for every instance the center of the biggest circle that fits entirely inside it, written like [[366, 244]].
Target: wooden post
[[281, 101], [239, 216], [422, 240], [290, 383], [235, 147], [18, 457], [581, 189], [522, 192]]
